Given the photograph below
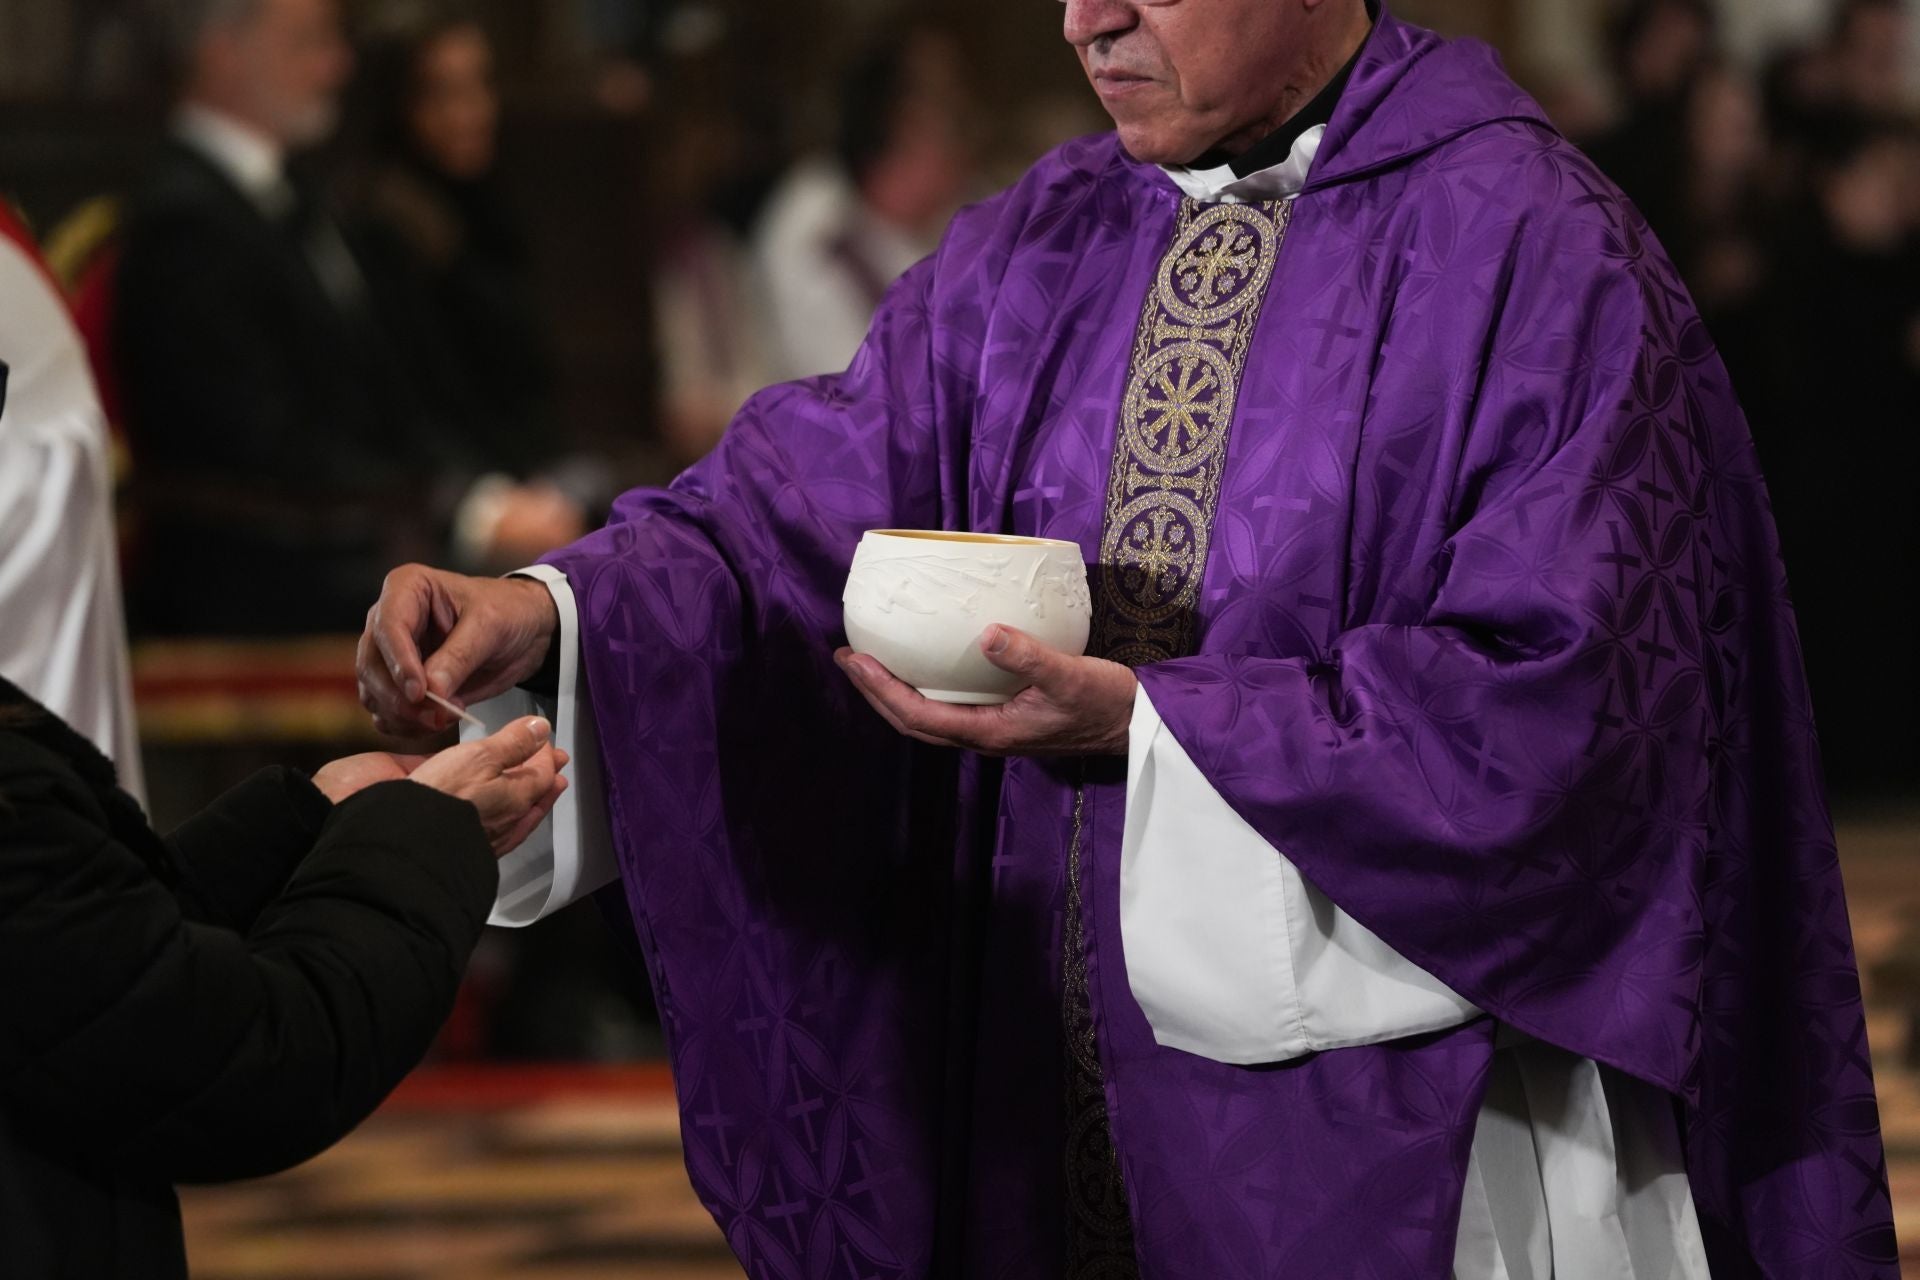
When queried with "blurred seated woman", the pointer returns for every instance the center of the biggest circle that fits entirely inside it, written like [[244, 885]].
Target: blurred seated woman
[[228, 1000], [447, 266]]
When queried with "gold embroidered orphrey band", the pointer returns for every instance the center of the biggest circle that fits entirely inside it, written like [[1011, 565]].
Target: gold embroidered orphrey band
[[1169, 455], [1170, 451]]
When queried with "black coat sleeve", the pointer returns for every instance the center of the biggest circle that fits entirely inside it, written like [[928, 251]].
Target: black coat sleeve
[[198, 1053], [237, 853]]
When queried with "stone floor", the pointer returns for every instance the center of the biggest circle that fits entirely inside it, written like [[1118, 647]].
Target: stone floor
[[577, 1175], [560, 1189]]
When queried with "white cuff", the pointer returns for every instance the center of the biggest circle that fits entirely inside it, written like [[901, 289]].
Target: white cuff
[[570, 855], [1202, 911], [1231, 954]]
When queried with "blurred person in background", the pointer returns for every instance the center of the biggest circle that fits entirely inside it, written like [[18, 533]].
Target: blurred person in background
[[709, 322], [447, 267], [1723, 238], [1835, 424], [1787, 218], [231, 999], [841, 229], [1658, 48], [63, 634], [1800, 93], [1719, 244], [1817, 94], [1870, 47], [1691, 154], [286, 457]]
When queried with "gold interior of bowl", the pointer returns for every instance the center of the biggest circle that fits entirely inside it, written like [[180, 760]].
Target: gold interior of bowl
[[1001, 539]]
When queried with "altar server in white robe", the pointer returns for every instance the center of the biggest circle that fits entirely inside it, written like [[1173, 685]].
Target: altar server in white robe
[[63, 635]]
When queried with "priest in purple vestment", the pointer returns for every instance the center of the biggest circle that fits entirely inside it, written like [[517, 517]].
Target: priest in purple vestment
[[1426, 874]]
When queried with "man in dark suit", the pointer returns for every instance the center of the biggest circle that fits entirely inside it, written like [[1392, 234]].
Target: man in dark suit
[[287, 460]]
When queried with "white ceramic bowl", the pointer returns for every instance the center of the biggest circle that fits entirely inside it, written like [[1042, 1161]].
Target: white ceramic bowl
[[919, 602]]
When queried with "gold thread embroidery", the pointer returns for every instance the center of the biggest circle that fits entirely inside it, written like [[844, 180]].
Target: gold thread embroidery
[[1099, 1229], [1169, 455], [1170, 451]]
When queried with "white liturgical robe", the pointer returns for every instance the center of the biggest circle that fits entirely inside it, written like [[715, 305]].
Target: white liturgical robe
[[63, 636], [823, 260]]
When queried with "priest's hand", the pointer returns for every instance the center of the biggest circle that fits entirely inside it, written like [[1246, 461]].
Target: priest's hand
[[466, 639], [1074, 707]]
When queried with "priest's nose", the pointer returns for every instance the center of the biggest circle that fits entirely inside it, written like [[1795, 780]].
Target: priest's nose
[[1091, 20]]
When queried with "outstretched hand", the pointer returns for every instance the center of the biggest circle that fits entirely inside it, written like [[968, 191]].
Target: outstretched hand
[[346, 777], [511, 777], [463, 638], [1074, 706]]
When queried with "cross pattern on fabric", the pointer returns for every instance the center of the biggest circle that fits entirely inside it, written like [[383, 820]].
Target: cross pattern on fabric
[[1171, 448]]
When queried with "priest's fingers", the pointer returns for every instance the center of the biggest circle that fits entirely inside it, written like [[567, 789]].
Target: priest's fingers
[[465, 649], [887, 694], [1013, 650], [980, 729], [894, 718], [1072, 706], [495, 637], [378, 693], [397, 623], [392, 714]]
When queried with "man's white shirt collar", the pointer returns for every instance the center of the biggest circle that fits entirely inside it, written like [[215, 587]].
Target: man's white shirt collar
[[249, 159], [1281, 182]]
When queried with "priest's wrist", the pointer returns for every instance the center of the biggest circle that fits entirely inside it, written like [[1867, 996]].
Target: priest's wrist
[[1120, 740], [545, 678], [539, 601]]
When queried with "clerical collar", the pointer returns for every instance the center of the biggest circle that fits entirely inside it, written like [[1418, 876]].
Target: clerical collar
[[1276, 166], [1277, 146], [249, 160], [1281, 182]]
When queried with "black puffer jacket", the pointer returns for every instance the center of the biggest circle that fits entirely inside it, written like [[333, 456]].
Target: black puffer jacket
[[221, 1003]]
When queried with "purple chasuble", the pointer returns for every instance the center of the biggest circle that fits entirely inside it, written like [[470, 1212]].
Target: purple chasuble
[[1484, 626]]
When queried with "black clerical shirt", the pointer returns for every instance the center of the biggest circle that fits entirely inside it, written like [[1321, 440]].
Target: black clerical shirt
[[1277, 146]]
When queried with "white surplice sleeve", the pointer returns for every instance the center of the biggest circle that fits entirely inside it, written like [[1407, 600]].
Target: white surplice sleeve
[[63, 637], [570, 855], [1230, 952], [1576, 1172]]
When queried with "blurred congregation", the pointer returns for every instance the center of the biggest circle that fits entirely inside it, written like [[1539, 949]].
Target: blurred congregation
[[391, 281]]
